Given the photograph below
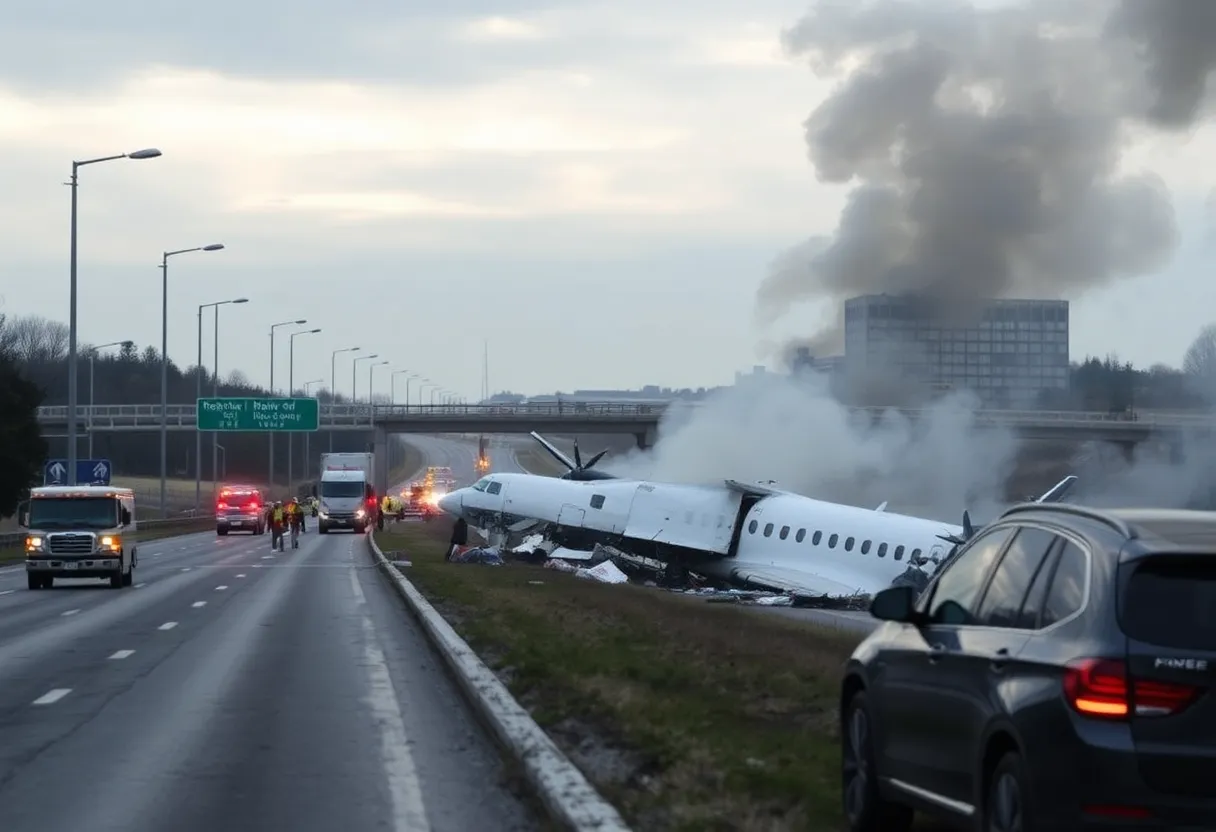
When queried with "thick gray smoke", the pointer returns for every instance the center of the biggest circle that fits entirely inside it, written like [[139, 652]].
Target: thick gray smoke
[[984, 147], [793, 431]]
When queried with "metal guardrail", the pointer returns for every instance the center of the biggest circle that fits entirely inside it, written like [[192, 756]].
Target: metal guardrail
[[8, 539], [356, 416]]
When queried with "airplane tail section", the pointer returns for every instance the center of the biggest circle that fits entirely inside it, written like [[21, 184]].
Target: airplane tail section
[[1057, 491]]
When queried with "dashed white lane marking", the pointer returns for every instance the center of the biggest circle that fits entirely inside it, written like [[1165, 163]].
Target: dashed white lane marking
[[137, 586], [168, 625], [122, 654], [186, 569], [198, 604], [405, 791], [240, 576], [221, 587], [8, 592], [267, 557], [52, 696], [69, 612], [156, 554]]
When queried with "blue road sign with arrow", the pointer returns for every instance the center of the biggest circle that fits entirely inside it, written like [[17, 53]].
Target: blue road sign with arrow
[[88, 472]]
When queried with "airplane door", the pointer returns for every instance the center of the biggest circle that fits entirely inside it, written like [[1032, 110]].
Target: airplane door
[[571, 516]]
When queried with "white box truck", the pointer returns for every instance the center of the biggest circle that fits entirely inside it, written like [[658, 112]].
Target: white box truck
[[347, 492]]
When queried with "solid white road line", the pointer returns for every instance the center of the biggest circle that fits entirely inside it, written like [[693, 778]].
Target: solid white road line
[[70, 612], [405, 790], [52, 696], [122, 654], [168, 625], [198, 604]]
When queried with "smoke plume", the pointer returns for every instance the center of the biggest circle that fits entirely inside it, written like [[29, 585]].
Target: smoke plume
[[984, 146], [793, 431]]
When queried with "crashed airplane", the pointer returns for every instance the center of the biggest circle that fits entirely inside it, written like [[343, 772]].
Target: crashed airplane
[[752, 535]]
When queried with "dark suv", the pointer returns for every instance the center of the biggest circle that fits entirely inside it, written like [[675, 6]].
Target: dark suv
[[1056, 674]]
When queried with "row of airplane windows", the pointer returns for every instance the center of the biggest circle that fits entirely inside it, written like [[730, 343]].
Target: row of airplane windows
[[833, 539]]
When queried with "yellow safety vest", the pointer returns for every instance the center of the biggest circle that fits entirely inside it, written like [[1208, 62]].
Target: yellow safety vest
[[278, 515]]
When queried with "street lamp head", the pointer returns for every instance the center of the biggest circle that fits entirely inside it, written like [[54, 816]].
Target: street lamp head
[[313, 330], [302, 322], [213, 247], [373, 355], [241, 300], [146, 153]]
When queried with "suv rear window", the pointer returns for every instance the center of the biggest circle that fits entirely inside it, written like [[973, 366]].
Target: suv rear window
[[1171, 602]]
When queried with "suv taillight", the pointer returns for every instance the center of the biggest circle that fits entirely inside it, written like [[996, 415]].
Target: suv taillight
[[221, 506], [1100, 688]]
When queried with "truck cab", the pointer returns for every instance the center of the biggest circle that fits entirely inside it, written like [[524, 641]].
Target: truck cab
[[347, 501], [83, 531]]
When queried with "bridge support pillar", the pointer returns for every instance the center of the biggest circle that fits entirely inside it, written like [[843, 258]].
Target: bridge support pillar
[[1128, 451], [380, 449], [646, 438], [1176, 453]]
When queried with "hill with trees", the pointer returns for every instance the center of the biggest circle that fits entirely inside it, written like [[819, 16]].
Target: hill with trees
[[37, 347]]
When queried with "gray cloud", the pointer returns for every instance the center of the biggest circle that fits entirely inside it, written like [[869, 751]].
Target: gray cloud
[[983, 147], [79, 44]]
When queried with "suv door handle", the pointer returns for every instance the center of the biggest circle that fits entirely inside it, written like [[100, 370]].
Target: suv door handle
[[998, 661]]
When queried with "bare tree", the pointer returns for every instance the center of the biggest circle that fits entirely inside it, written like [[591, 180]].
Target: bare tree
[[33, 339], [1199, 363], [238, 379]]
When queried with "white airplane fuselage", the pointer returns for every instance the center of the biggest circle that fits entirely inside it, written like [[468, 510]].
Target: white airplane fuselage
[[752, 534]]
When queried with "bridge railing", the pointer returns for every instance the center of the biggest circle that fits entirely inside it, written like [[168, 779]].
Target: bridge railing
[[364, 414]]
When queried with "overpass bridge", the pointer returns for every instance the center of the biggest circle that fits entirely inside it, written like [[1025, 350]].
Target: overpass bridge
[[640, 420]]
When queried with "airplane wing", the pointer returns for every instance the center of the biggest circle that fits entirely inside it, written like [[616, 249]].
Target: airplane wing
[[791, 580]]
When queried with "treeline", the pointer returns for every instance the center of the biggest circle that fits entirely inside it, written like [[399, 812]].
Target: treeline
[[39, 347]]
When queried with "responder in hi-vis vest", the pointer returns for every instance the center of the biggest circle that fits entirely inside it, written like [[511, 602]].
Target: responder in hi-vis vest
[[278, 522]]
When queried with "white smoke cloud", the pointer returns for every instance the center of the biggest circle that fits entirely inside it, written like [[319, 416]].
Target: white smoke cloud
[[793, 431]]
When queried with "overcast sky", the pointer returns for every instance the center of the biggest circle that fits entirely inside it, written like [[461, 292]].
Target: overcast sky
[[597, 188]]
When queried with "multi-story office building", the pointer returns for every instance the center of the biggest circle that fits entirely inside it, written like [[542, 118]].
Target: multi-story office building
[[1008, 352]]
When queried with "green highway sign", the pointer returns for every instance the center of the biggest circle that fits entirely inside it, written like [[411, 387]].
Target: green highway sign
[[239, 414]]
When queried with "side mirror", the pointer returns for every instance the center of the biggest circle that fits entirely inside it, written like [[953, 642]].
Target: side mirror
[[126, 516], [23, 514], [897, 603]]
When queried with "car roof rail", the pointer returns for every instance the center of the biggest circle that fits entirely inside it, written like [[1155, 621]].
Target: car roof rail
[[1116, 523]]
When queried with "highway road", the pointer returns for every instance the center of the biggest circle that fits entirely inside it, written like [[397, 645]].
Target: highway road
[[233, 688]]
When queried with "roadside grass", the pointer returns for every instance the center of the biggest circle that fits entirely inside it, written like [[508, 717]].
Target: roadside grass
[[686, 715], [15, 553]]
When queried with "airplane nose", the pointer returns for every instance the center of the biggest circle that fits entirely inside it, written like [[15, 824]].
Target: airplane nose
[[451, 503]]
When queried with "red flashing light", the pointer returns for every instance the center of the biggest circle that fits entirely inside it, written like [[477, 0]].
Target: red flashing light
[[221, 506], [1100, 688], [253, 506]]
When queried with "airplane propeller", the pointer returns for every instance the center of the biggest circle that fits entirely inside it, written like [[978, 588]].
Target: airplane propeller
[[579, 470]]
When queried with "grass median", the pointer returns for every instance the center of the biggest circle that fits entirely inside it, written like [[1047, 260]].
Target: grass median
[[685, 714], [16, 553]]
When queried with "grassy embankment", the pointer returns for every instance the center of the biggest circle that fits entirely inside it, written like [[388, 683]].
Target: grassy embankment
[[686, 714]]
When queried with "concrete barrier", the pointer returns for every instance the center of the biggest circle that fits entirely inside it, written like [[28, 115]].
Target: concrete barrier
[[570, 800]]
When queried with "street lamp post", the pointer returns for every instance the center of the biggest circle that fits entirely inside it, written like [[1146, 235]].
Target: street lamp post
[[354, 366], [73, 394], [371, 369], [333, 390], [435, 389], [308, 434], [225, 465], [392, 384], [164, 366], [92, 369], [291, 380], [198, 434], [270, 434]]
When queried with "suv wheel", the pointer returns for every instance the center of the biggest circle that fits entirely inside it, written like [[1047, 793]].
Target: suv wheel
[[864, 806], [1005, 805]]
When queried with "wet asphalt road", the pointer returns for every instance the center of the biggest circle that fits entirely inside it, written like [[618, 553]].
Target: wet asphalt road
[[235, 689]]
